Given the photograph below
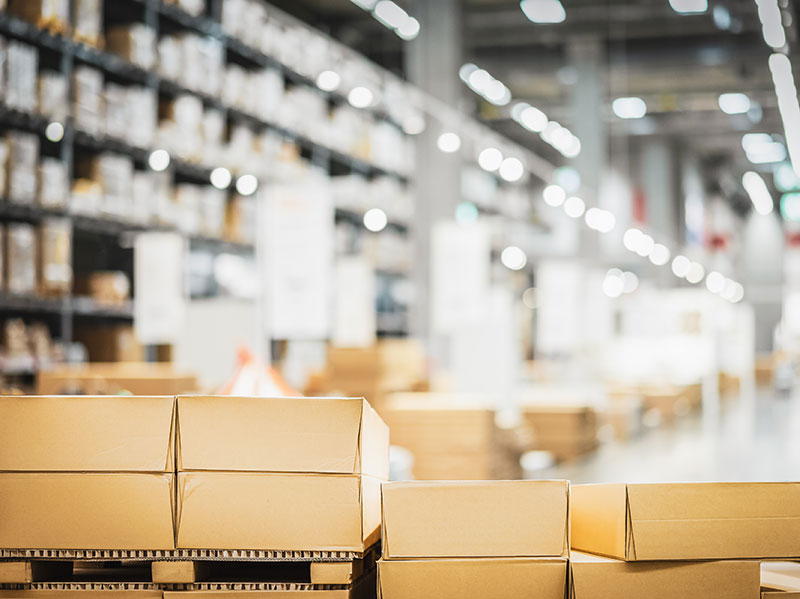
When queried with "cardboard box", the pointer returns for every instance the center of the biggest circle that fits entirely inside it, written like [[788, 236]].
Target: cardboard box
[[475, 519], [452, 437], [780, 580], [595, 577], [87, 434], [279, 473], [87, 472], [104, 594], [248, 510], [472, 578], [138, 378], [289, 434], [687, 521], [110, 343]]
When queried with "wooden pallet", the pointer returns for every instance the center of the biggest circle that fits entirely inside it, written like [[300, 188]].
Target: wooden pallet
[[170, 572]]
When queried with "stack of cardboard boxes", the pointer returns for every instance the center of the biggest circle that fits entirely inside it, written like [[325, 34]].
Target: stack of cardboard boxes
[[482, 539], [231, 495], [454, 437], [389, 366], [680, 540], [566, 431]]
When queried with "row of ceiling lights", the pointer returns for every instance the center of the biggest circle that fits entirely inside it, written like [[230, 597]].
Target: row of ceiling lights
[[391, 16]]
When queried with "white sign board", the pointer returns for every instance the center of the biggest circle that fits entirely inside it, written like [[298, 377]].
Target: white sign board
[[354, 308], [460, 268], [298, 239], [160, 301]]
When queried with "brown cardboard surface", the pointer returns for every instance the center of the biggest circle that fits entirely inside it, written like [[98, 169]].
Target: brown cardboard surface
[[686, 521], [594, 577], [780, 594], [475, 519], [249, 510], [86, 511], [781, 576], [472, 578], [295, 434], [132, 434], [109, 378]]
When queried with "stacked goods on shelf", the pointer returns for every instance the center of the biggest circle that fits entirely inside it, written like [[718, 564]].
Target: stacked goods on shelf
[[780, 580], [142, 378], [455, 437], [482, 539], [28, 346], [109, 288], [680, 540], [113, 343], [190, 496], [765, 370], [388, 366]]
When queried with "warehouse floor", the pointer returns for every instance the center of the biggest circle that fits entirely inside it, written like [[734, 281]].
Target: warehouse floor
[[756, 437]]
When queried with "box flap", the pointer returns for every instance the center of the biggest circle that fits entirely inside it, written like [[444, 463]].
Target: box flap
[[475, 519], [714, 521], [373, 444], [110, 433], [277, 435], [598, 518], [595, 577], [237, 510], [472, 578], [88, 510]]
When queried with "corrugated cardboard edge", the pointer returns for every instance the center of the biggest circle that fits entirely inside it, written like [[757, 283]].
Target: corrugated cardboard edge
[[372, 451]]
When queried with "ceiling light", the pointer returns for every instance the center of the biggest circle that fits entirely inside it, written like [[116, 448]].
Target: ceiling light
[[158, 160], [221, 177], [514, 258], [246, 185], [695, 273], [390, 14], [414, 124], [629, 108], [328, 81], [757, 190], [409, 30], [482, 83], [360, 97], [760, 148], [613, 285], [554, 195], [54, 132], [689, 7], [781, 68], [600, 220], [630, 282], [449, 142], [466, 212], [574, 207], [644, 245], [375, 220], [790, 206], [771, 23], [511, 169], [543, 11], [533, 119], [680, 266], [490, 159], [734, 103], [785, 178], [660, 254], [631, 239], [715, 282]]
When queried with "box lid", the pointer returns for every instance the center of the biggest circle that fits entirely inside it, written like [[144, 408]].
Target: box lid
[[284, 434], [472, 578], [475, 519], [110, 433], [683, 521], [595, 577]]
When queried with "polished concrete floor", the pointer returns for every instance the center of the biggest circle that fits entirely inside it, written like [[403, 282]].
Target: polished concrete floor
[[751, 437]]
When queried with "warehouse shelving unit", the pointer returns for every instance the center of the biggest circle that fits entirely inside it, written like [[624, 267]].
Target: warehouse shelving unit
[[107, 232]]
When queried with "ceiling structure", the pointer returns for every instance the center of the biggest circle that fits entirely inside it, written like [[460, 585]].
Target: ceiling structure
[[678, 64]]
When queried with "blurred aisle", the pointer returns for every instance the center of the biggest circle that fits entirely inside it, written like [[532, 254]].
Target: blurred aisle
[[734, 447]]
